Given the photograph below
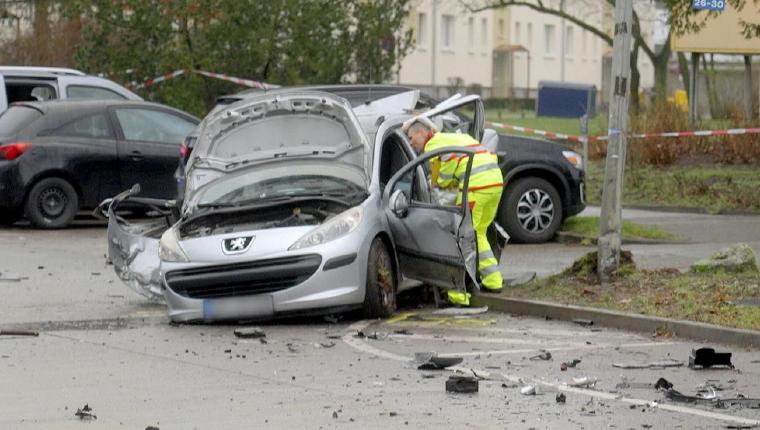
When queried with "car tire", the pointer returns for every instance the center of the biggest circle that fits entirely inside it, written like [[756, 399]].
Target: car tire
[[380, 291], [51, 203], [531, 210]]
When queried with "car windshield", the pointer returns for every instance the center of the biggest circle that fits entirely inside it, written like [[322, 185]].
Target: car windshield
[[252, 187], [16, 118]]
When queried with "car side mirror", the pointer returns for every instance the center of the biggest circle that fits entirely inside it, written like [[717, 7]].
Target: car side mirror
[[399, 203]]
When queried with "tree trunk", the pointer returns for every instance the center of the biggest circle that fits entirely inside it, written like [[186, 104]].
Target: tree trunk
[[661, 76], [40, 55], [635, 78], [712, 90], [683, 67]]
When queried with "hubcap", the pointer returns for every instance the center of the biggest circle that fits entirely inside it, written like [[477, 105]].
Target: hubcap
[[535, 210], [52, 202]]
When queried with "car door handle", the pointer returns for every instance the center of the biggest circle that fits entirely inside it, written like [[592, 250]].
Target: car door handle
[[136, 155]]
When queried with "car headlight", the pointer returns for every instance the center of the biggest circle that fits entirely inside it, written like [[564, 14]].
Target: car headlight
[[169, 248], [574, 158], [340, 225]]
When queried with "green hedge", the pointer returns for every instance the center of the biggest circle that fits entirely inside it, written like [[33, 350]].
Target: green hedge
[[510, 104]]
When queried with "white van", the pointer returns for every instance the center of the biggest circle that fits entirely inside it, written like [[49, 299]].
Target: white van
[[22, 84]]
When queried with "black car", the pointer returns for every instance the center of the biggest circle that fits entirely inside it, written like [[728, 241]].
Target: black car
[[544, 180], [59, 157]]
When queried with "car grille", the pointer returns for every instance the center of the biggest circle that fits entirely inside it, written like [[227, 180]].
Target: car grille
[[243, 279]]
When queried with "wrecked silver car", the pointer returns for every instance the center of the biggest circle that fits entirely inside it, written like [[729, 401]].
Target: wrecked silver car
[[295, 206]]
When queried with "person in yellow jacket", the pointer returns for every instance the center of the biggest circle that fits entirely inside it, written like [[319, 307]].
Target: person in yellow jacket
[[484, 193]]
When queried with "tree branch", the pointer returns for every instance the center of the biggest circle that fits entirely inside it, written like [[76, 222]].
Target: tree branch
[[539, 7]]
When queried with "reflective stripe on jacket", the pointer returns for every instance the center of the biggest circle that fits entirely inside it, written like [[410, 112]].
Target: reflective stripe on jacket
[[485, 171]]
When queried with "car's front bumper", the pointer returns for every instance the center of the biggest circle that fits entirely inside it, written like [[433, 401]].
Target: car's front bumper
[[329, 276]]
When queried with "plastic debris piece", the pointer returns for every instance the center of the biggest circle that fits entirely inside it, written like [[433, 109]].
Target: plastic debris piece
[[677, 396], [19, 333], [250, 333], [561, 398], [462, 384], [85, 413], [663, 384], [528, 390], [567, 364], [584, 323], [648, 365], [584, 382], [704, 358], [461, 311], [439, 363], [545, 355], [10, 277]]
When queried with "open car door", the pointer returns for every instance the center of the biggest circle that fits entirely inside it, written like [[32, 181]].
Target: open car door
[[133, 245], [459, 114], [435, 242]]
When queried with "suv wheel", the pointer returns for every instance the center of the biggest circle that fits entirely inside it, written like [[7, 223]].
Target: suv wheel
[[51, 203], [380, 292], [531, 210]]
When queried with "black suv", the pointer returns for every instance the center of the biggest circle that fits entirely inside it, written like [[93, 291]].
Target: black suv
[[544, 181]]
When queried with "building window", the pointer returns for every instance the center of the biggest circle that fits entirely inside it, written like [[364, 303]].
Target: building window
[[570, 41], [483, 34], [501, 29], [421, 29], [470, 33], [529, 36], [549, 39], [517, 32], [447, 31]]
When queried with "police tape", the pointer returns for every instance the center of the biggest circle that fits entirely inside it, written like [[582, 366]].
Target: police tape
[[244, 82], [578, 138]]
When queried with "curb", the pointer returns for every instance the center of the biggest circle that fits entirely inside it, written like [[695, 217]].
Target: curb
[[703, 332], [572, 238]]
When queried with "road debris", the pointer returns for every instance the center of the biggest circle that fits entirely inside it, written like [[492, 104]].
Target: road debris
[[743, 402], [584, 323], [561, 398], [402, 331], [648, 364], [663, 384], [583, 382], [19, 333], [528, 390], [324, 345], [567, 364], [461, 384], [677, 396], [10, 277], [544, 355], [250, 333], [704, 358], [434, 362], [461, 311], [85, 413], [151, 428]]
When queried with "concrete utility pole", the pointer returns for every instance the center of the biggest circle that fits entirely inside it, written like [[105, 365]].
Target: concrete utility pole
[[611, 222]]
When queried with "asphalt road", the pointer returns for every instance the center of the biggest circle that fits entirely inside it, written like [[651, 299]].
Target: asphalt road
[[101, 345]]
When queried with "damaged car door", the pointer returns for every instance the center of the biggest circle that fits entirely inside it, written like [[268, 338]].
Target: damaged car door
[[133, 244], [435, 242]]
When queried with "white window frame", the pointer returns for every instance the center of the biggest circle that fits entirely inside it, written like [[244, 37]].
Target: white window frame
[[570, 42], [448, 36], [484, 36], [422, 30], [550, 33], [518, 28], [471, 35]]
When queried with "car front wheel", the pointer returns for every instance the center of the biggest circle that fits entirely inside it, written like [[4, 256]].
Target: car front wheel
[[380, 292], [531, 210], [51, 203]]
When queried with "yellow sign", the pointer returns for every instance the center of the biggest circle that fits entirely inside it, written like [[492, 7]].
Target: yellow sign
[[722, 34]]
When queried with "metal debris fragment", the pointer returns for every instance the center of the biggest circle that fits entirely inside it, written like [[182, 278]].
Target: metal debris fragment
[[250, 333], [567, 364], [703, 358], [528, 390], [584, 382], [648, 365], [434, 362], [19, 333], [561, 398], [461, 384], [85, 413], [584, 323], [545, 355]]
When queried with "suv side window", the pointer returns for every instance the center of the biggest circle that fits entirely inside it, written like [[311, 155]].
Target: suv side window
[[88, 92], [153, 126], [29, 92], [92, 126]]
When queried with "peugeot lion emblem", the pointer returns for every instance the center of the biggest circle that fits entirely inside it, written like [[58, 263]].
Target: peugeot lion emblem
[[236, 245]]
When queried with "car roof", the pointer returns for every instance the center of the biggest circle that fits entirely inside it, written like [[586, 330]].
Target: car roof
[[94, 104], [39, 71]]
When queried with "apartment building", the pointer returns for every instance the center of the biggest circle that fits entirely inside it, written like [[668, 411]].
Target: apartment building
[[505, 52]]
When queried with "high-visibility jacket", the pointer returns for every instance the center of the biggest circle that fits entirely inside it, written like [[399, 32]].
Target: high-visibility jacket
[[485, 171]]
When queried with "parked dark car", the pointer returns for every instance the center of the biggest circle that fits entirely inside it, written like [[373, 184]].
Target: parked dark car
[[59, 157], [545, 181]]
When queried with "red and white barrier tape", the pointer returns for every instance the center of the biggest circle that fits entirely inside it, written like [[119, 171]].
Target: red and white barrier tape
[[576, 138], [174, 74]]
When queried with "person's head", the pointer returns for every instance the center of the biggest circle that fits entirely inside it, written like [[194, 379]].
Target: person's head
[[419, 130]]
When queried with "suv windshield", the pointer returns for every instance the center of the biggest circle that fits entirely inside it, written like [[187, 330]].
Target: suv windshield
[[15, 119]]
